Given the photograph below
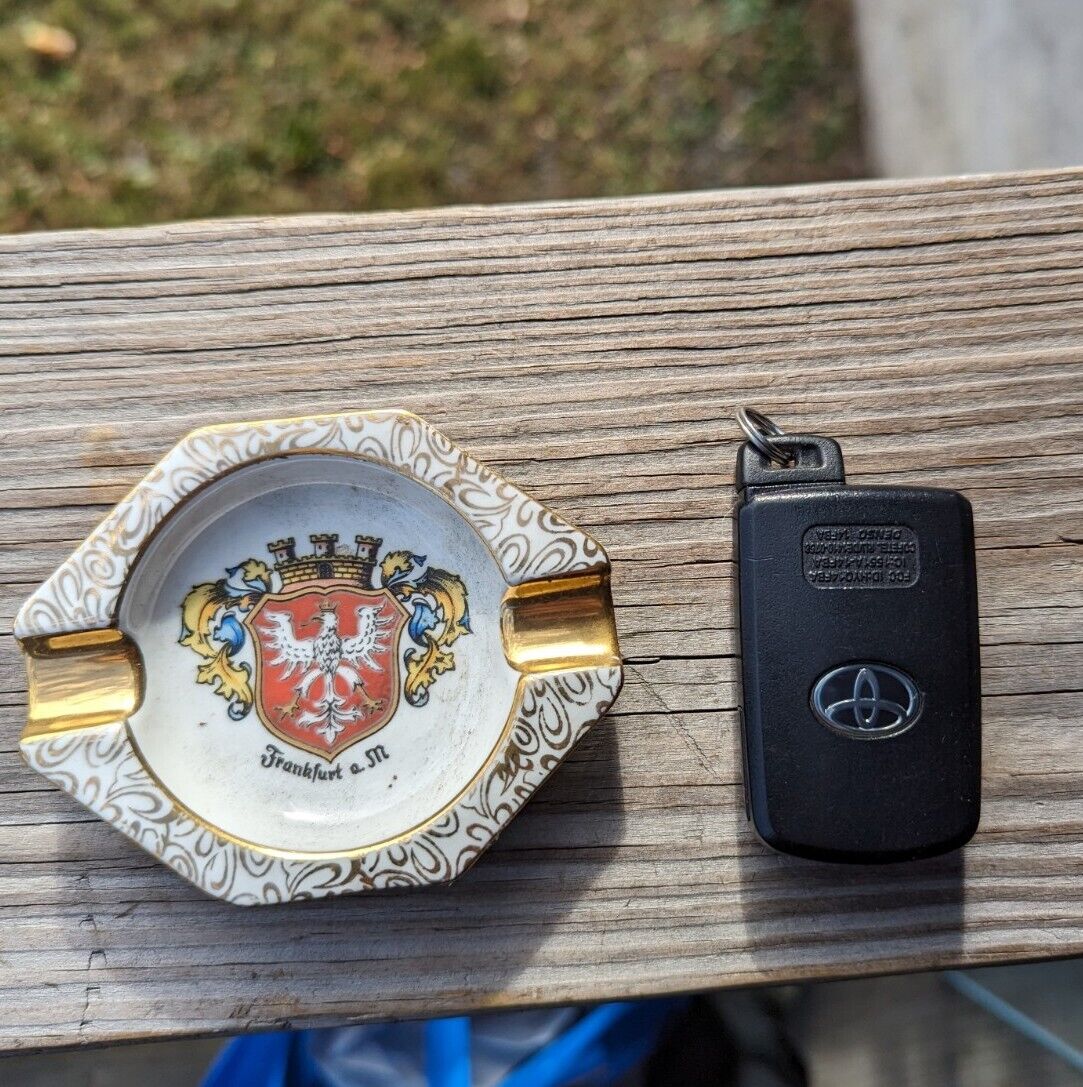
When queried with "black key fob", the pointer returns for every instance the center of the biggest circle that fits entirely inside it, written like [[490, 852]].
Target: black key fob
[[861, 682]]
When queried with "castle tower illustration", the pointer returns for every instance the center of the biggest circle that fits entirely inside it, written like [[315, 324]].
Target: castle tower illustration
[[327, 562]]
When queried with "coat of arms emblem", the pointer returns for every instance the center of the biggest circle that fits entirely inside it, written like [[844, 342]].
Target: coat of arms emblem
[[313, 644]]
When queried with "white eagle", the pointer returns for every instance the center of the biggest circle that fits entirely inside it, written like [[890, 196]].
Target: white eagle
[[326, 658]]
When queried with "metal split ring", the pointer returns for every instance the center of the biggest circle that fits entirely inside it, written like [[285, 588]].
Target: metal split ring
[[759, 430]]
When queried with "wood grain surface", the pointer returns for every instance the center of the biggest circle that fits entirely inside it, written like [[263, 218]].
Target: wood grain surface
[[595, 353]]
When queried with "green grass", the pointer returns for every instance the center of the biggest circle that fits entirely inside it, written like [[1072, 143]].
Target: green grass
[[174, 109]]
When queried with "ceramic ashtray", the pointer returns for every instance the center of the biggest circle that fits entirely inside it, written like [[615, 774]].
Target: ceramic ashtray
[[314, 656]]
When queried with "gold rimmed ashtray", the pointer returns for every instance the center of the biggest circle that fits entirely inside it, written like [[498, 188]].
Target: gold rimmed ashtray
[[314, 656]]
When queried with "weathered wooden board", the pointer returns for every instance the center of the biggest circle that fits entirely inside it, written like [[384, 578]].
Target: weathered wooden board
[[595, 352]]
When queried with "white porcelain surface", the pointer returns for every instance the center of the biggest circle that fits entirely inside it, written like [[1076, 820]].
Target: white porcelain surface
[[445, 753], [228, 770]]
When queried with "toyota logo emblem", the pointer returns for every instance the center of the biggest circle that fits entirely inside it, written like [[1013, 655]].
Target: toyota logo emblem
[[866, 701]]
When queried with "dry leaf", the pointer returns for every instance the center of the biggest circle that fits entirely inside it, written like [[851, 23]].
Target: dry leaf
[[53, 42]]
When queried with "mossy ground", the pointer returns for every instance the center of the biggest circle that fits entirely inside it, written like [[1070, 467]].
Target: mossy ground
[[174, 109]]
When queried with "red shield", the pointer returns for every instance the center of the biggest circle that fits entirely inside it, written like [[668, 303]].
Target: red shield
[[327, 664]]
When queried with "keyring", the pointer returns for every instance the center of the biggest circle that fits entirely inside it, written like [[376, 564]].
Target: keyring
[[759, 430]]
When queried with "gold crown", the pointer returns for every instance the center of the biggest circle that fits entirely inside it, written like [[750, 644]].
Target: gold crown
[[326, 562]]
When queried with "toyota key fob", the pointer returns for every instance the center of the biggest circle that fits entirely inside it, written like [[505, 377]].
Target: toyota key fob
[[861, 713]]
